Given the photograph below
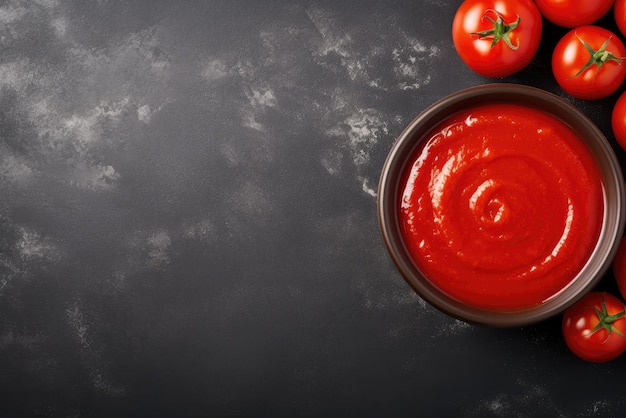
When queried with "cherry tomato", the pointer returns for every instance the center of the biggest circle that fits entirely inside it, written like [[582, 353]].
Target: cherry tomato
[[619, 267], [574, 13], [595, 327], [618, 123], [587, 62], [619, 12], [497, 38]]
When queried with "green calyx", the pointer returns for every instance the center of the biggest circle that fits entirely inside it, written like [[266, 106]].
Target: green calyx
[[500, 30], [597, 58], [606, 320]]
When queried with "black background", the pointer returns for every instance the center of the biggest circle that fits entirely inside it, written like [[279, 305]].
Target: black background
[[188, 218]]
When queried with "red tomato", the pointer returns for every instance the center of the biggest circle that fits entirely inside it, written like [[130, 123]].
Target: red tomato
[[587, 62], [618, 123], [497, 38], [574, 13], [619, 12], [619, 266], [595, 327]]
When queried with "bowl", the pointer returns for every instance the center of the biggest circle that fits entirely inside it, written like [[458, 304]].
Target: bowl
[[600, 249]]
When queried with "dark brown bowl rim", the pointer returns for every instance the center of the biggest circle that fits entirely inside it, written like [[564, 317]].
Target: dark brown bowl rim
[[614, 201]]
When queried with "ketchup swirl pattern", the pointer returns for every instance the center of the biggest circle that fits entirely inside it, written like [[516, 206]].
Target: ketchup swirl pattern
[[502, 206]]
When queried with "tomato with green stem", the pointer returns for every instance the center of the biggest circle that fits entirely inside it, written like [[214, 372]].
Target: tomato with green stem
[[594, 328], [496, 38], [574, 13], [587, 62]]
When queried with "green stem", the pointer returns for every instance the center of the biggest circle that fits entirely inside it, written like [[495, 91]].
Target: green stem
[[606, 320], [500, 30], [597, 58]]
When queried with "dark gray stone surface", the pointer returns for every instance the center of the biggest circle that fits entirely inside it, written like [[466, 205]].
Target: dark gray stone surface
[[188, 221]]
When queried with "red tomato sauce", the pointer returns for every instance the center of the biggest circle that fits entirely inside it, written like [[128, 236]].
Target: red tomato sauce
[[501, 206]]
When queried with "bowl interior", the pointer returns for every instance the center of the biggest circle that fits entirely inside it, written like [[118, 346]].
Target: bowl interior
[[597, 144]]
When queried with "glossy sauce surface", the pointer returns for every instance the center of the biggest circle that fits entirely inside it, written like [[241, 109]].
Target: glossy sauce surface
[[501, 206]]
